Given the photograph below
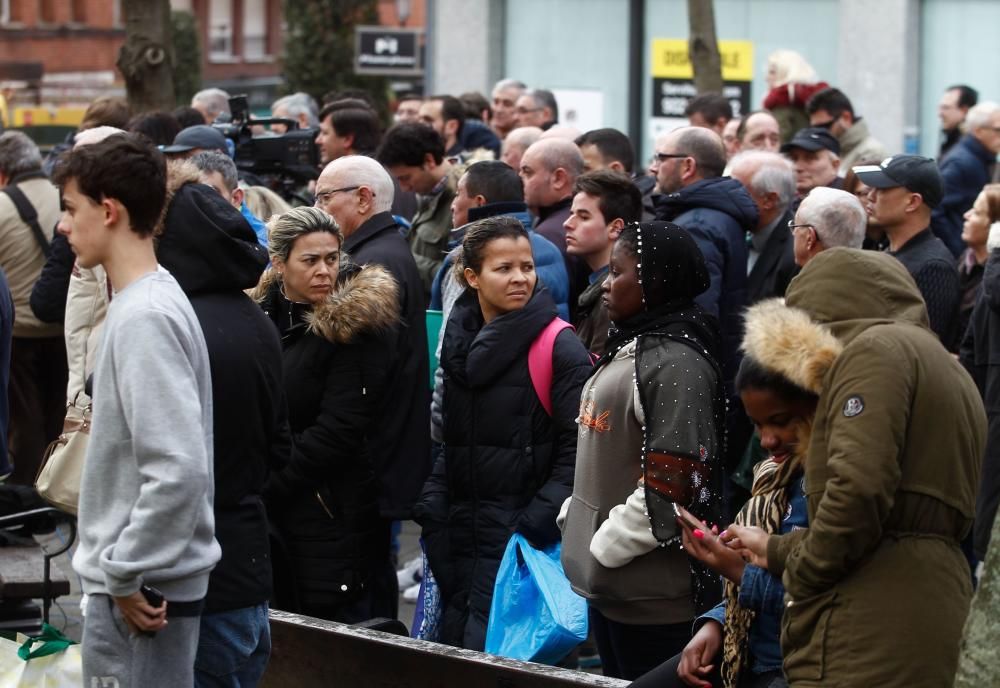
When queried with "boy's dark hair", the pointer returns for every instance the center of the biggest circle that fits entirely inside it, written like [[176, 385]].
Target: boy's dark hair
[[967, 96], [408, 144], [125, 167], [617, 196], [475, 103], [158, 127], [711, 106], [188, 116], [752, 375], [495, 181], [451, 109], [612, 145], [352, 116], [831, 100]]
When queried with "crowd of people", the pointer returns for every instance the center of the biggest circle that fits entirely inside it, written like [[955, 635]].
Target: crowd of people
[[764, 431]]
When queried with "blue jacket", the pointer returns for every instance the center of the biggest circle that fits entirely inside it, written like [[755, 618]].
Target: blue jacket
[[258, 226], [549, 262], [718, 213], [763, 593], [964, 171]]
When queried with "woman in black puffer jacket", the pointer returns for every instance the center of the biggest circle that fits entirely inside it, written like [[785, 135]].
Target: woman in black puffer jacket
[[507, 464], [336, 324]]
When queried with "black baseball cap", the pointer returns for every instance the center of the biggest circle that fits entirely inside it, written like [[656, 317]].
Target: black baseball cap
[[198, 136], [917, 173], [813, 139]]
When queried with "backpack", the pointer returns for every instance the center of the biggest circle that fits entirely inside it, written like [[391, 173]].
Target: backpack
[[540, 360]]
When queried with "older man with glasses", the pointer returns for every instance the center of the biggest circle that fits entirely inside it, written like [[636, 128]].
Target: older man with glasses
[[827, 218], [357, 192]]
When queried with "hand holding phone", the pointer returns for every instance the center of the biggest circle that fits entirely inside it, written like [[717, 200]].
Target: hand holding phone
[[685, 518]]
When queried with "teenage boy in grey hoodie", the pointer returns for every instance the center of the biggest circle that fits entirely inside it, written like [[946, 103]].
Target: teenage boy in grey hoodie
[[145, 518]]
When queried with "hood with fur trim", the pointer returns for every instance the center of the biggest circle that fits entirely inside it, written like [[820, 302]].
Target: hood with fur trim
[[849, 290], [787, 341], [366, 300]]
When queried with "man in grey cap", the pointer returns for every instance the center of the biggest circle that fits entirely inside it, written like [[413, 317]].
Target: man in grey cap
[[200, 137], [815, 153], [904, 191]]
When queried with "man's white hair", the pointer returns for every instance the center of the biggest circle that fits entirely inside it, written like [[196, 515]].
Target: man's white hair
[[837, 216], [773, 173], [297, 104], [363, 171], [213, 100], [981, 115], [504, 84]]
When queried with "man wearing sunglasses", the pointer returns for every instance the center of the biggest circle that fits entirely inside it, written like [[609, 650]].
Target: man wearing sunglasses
[[830, 109]]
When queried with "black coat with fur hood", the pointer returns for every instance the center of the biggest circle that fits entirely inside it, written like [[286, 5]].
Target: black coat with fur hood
[[324, 500]]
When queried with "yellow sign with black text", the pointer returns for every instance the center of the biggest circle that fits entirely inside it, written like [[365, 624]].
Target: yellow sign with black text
[[670, 59]]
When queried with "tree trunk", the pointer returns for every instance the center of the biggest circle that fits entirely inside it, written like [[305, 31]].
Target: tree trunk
[[703, 50], [146, 59]]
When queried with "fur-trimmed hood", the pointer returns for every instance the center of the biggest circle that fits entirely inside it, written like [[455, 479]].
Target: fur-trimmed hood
[[787, 341], [366, 300]]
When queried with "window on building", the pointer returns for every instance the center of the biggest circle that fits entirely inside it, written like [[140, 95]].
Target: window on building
[[255, 44], [220, 30], [47, 12], [78, 11]]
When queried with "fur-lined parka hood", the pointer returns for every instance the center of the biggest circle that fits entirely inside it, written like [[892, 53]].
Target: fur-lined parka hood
[[787, 341], [366, 300]]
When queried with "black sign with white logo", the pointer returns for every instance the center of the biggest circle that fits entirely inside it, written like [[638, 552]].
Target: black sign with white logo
[[394, 52]]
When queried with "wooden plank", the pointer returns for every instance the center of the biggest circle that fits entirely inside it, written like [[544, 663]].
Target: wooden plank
[[21, 572], [314, 652]]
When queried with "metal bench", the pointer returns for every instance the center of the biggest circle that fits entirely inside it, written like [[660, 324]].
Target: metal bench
[[314, 652], [27, 572]]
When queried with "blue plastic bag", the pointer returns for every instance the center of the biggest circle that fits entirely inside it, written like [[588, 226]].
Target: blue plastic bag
[[535, 616]]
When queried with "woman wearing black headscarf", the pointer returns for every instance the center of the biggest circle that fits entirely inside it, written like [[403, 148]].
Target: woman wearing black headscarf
[[651, 434]]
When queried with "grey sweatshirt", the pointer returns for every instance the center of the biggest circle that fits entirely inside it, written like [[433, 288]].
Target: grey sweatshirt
[[147, 486]]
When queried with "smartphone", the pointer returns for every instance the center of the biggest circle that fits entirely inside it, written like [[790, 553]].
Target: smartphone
[[685, 519], [153, 596]]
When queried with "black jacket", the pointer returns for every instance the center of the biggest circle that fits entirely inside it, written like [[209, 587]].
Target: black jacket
[[401, 450], [48, 296], [718, 213], [324, 499], [213, 254], [775, 266], [964, 172], [980, 354], [507, 466], [928, 260]]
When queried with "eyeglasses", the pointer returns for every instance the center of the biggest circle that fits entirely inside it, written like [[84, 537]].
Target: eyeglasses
[[663, 157], [824, 125], [322, 196], [792, 226], [524, 110]]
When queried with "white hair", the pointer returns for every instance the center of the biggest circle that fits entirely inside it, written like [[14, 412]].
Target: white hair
[[837, 216], [981, 115], [523, 137], [95, 135], [773, 173], [363, 171], [298, 104], [214, 100], [791, 68], [504, 84]]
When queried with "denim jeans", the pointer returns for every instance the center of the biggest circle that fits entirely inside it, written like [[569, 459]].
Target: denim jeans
[[233, 648]]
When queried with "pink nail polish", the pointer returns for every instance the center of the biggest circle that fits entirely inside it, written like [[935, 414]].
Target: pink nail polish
[[723, 533], [698, 534]]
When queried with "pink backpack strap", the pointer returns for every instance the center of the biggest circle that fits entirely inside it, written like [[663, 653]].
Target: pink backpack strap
[[540, 361]]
